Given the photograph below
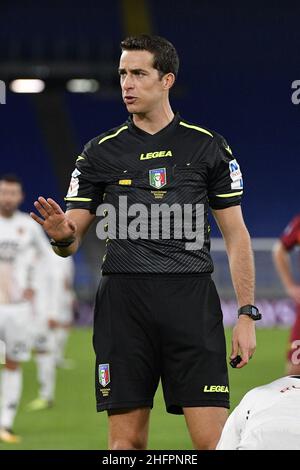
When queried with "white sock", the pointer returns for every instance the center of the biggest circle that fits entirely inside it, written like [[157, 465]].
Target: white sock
[[61, 338], [11, 388], [46, 369]]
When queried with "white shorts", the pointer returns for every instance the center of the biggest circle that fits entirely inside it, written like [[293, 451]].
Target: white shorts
[[42, 336], [65, 316], [15, 322], [58, 309]]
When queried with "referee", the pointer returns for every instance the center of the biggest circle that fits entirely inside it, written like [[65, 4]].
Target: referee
[[157, 313]]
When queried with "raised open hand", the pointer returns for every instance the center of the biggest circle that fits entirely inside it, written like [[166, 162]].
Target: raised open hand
[[54, 221]]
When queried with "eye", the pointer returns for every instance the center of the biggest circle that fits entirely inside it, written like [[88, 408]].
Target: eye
[[139, 73]]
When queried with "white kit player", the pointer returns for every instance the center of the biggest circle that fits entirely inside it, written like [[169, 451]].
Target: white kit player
[[19, 242], [54, 318], [267, 418], [63, 312]]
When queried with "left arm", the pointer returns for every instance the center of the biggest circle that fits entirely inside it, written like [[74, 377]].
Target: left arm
[[241, 263]]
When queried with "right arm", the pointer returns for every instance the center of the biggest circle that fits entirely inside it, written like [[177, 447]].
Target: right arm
[[61, 226], [84, 195], [283, 265], [83, 219]]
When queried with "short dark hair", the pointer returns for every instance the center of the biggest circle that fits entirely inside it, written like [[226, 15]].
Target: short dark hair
[[166, 59], [11, 178]]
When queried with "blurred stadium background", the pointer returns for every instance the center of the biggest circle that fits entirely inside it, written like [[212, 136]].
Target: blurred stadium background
[[238, 61]]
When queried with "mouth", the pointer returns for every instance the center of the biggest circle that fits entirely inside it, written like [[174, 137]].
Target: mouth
[[130, 99]]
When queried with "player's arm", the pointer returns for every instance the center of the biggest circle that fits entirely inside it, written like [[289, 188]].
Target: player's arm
[[24, 270], [282, 261], [240, 256], [65, 228]]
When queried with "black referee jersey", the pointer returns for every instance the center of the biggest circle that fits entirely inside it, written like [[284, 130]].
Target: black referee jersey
[[181, 164]]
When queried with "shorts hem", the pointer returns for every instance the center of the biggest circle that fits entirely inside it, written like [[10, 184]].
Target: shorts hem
[[177, 409], [123, 405]]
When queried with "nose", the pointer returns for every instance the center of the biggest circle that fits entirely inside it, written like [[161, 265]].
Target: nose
[[127, 83]]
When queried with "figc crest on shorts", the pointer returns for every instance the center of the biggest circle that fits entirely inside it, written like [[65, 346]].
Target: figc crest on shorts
[[104, 374], [158, 177]]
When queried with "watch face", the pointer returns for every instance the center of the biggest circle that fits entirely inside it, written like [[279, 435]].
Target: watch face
[[254, 311]]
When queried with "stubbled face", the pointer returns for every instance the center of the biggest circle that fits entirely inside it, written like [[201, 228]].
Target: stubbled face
[[11, 196], [142, 88]]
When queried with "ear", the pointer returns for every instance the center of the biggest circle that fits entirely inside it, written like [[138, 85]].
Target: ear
[[168, 81]]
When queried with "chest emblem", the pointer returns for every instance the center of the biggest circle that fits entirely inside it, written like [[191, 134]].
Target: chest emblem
[[158, 177]]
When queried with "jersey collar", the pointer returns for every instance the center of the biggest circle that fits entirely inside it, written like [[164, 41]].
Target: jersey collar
[[164, 130]]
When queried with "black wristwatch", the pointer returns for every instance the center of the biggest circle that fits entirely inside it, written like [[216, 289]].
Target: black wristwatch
[[62, 243], [251, 311]]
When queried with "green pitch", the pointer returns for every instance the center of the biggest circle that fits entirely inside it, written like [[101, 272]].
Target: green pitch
[[74, 424]]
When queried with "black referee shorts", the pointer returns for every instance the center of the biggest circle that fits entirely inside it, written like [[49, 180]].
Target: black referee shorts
[[149, 327]]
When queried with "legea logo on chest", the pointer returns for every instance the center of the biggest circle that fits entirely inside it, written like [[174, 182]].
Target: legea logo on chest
[[159, 154]]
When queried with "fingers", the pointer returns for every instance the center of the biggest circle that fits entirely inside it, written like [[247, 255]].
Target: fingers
[[40, 208], [56, 208], [245, 359], [234, 349], [246, 356], [36, 218], [47, 208]]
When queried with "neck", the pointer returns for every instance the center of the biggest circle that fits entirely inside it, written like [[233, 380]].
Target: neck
[[5, 214], [155, 120]]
